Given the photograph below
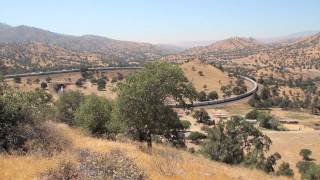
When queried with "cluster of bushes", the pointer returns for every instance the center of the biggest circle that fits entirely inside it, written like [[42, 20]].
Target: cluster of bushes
[[22, 121], [91, 113], [239, 142], [202, 116], [203, 96], [264, 119]]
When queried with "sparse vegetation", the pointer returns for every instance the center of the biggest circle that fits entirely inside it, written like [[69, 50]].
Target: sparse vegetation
[[114, 165]]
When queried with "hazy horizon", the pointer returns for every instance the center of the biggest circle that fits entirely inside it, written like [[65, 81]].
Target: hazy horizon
[[166, 22]]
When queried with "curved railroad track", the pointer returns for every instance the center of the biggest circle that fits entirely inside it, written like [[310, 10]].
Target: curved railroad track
[[194, 104]]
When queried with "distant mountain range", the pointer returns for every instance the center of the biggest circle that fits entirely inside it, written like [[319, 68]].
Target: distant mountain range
[[25, 49], [90, 43], [227, 44], [288, 38]]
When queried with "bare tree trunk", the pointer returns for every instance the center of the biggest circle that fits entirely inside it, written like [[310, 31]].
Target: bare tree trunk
[[149, 140]]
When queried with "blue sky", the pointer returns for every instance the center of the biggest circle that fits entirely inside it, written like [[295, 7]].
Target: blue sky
[[165, 21]]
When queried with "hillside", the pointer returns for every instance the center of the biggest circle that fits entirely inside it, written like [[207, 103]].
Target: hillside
[[300, 57], [231, 44], [212, 78], [28, 57], [163, 163], [92, 43], [25, 49]]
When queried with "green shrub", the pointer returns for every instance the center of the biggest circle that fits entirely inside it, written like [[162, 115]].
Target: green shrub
[[191, 150], [114, 79], [19, 113], [213, 95], [101, 84], [80, 81], [285, 170], [265, 120], [17, 79], [312, 173], [66, 106], [94, 115], [252, 114], [202, 116], [196, 136], [202, 96], [48, 79], [234, 142], [93, 80], [309, 170], [186, 124], [44, 85], [306, 153]]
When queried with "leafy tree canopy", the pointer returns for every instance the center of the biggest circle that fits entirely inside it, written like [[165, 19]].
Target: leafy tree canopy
[[143, 99]]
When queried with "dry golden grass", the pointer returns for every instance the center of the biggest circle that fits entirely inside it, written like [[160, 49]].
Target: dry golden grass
[[289, 144], [28, 167], [163, 163], [213, 78]]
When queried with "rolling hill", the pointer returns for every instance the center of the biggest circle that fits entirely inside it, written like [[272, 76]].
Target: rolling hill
[[231, 44], [25, 49], [91, 43]]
